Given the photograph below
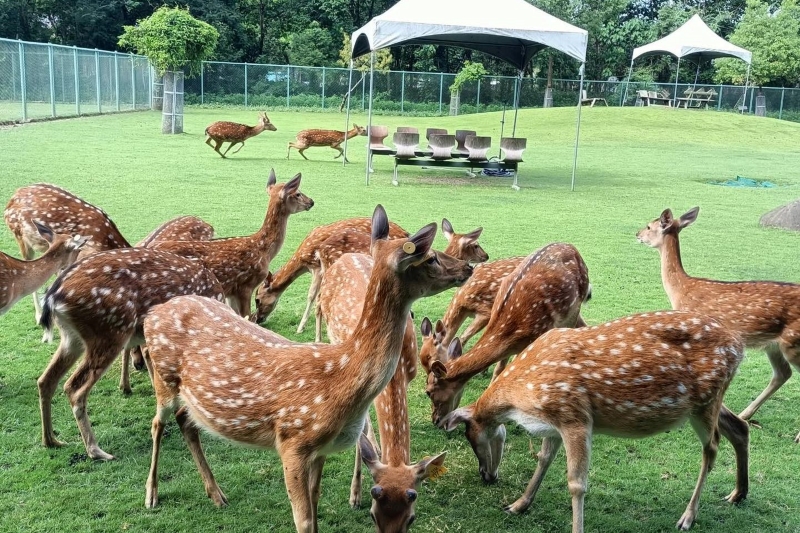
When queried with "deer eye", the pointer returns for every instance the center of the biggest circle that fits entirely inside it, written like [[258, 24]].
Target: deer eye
[[432, 261]]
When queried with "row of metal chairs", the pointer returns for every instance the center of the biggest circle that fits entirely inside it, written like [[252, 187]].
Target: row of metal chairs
[[442, 146]]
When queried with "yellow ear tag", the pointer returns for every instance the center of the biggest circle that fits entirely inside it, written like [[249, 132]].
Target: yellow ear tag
[[409, 247], [436, 471]]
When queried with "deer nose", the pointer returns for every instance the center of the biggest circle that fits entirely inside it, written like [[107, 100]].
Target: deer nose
[[310, 204], [487, 477]]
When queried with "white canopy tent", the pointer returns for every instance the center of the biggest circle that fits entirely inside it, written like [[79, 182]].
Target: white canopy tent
[[693, 40], [512, 30]]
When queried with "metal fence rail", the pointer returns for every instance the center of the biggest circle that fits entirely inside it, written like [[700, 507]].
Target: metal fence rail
[[47, 80]]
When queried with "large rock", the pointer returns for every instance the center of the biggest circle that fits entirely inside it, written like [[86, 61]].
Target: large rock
[[786, 217]]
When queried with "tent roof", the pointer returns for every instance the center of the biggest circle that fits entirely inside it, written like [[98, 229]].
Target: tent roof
[[694, 38], [512, 30]]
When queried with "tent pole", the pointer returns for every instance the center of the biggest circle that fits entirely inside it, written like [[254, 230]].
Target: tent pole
[[627, 82], [369, 117], [697, 73], [347, 119], [517, 89], [746, 83], [578, 126], [675, 96]]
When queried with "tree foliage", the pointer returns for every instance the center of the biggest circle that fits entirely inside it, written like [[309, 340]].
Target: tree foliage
[[172, 39], [470, 72]]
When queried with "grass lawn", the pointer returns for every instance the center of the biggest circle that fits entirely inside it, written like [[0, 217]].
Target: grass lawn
[[632, 164]]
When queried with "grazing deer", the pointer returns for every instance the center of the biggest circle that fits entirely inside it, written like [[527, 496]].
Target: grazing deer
[[634, 377], [306, 401], [98, 304], [474, 299], [545, 291], [183, 228], [305, 259], [242, 263], [765, 313], [333, 138], [232, 132], [64, 213], [21, 278]]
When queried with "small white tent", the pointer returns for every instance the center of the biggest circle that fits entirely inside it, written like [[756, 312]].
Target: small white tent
[[694, 40], [512, 30]]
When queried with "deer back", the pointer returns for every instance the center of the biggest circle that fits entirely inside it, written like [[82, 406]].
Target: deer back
[[183, 228]]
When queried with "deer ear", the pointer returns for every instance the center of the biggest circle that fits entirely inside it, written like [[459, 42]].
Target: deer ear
[[380, 224], [438, 369], [455, 349], [45, 231], [369, 455], [425, 327], [451, 421], [293, 184], [474, 234], [268, 280], [666, 218], [447, 229], [272, 180], [689, 217], [78, 242], [430, 467], [417, 246]]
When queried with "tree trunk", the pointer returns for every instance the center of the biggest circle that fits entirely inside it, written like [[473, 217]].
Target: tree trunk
[[455, 103], [172, 115], [548, 92], [158, 92]]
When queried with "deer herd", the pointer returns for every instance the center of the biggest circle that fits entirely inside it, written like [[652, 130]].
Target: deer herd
[[214, 368]]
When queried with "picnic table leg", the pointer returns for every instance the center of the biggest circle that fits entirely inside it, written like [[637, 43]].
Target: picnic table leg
[[394, 179]]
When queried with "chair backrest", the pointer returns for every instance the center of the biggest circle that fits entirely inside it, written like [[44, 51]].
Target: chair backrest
[[461, 136], [513, 147], [405, 144], [652, 94], [477, 146], [376, 136], [642, 93], [434, 131], [407, 129]]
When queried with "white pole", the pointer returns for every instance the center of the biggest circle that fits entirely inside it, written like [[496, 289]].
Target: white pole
[[347, 119], [369, 113], [517, 90], [746, 83], [627, 82], [677, 71], [578, 127]]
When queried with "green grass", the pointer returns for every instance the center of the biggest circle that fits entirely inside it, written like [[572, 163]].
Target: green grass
[[632, 164]]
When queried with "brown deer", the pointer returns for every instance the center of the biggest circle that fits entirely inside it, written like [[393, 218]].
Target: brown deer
[[765, 313], [98, 304], [306, 401], [545, 291], [464, 245], [242, 263], [474, 299], [182, 228], [232, 132], [333, 138], [21, 278], [634, 377], [64, 213], [305, 259], [344, 289]]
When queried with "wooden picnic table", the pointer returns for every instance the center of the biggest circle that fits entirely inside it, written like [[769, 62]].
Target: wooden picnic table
[[696, 99]]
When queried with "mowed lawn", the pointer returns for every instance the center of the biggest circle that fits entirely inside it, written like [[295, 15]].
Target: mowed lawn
[[633, 163]]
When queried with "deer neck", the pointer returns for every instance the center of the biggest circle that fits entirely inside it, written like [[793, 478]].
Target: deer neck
[[352, 133], [489, 349], [673, 276], [36, 273], [273, 231], [391, 406], [287, 274]]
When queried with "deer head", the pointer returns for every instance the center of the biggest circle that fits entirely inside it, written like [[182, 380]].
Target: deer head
[[486, 438], [288, 194], [71, 244], [264, 123], [465, 245], [445, 394], [433, 347], [653, 234]]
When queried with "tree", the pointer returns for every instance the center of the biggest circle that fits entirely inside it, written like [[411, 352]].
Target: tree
[[774, 40], [383, 62]]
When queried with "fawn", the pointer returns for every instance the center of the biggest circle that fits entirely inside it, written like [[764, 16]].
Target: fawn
[[305, 259], [242, 263], [634, 377], [545, 291], [64, 213], [306, 401], [333, 138], [234, 133], [765, 313], [464, 245], [98, 304], [21, 278]]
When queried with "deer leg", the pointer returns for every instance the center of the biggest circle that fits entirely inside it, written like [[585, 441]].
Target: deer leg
[[296, 474], [217, 145], [99, 356], [550, 447], [339, 149], [157, 432], [705, 425], [781, 372], [289, 149], [478, 323], [301, 150], [313, 293], [192, 437], [315, 486], [241, 145], [355, 483], [578, 445], [125, 375], [737, 432], [231, 145], [69, 350]]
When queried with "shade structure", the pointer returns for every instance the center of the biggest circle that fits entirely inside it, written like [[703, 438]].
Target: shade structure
[[511, 30]]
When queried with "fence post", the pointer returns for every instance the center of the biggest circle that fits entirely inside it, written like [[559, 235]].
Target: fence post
[[441, 88], [478, 98], [402, 90], [202, 82], [116, 77], [133, 82], [752, 92], [288, 75], [719, 98], [245, 84], [323, 87], [52, 80], [77, 81], [97, 78], [22, 85], [783, 92]]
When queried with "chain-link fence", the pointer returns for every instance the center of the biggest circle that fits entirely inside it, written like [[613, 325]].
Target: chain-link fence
[[45, 80], [426, 93]]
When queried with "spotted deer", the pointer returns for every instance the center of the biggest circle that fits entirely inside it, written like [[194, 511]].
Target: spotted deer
[[545, 291], [21, 278], [464, 245], [474, 299], [99, 304], [64, 213], [242, 263], [222, 132], [306, 401], [765, 313], [333, 138], [634, 377], [305, 259], [182, 228]]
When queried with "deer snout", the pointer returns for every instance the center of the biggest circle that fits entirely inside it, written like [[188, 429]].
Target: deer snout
[[487, 477]]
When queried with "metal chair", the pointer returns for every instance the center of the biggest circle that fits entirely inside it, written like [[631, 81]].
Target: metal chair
[[461, 136], [477, 147]]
